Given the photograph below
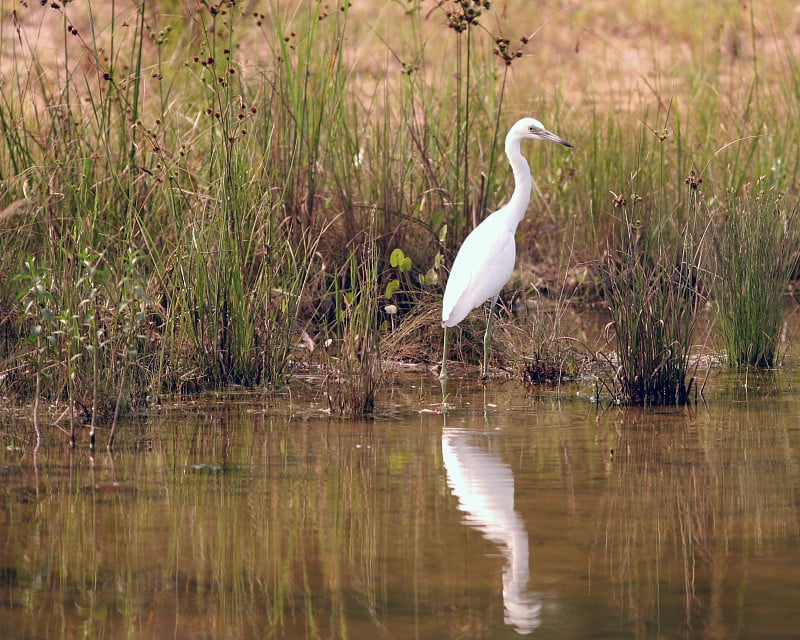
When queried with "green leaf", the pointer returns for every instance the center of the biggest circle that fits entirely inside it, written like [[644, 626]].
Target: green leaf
[[443, 233], [393, 286], [429, 278], [396, 258], [400, 260]]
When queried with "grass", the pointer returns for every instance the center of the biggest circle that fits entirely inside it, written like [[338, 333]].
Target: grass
[[654, 289], [192, 187], [755, 243], [355, 373]]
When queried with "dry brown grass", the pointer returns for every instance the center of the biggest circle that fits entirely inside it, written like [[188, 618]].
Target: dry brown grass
[[607, 53], [616, 54]]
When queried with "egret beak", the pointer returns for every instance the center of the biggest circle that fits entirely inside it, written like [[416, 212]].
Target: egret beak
[[547, 135]]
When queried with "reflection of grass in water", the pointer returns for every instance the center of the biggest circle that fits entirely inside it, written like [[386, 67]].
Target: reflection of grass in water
[[68, 526], [272, 529], [681, 502], [244, 524]]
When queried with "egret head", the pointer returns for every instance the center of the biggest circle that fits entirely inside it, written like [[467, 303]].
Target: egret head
[[532, 129]]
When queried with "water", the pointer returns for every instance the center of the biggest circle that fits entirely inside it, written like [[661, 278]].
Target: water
[[530, 513]]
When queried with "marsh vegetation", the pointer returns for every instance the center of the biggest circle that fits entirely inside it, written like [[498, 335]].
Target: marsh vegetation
[[196, 195]]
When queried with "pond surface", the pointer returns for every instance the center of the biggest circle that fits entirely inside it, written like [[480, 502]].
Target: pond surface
[[519, 512]]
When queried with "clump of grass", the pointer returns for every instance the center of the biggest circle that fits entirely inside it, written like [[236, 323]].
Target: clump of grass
[[550, 353], [418, 338], [353, 378], [87, 341], [756, 244], [544, 342], [653, 287]]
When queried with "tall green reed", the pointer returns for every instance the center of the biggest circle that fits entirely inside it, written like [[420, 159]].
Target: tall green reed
[[654, 276], [356, 373], [755, 245]]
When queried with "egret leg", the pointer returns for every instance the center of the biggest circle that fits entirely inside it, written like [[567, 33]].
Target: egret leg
[[443, 370], [487, 338]]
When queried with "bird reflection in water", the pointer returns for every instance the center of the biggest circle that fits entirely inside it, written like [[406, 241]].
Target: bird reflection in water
[[484, 486]]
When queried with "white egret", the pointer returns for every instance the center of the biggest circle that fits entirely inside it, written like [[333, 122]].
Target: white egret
[[485, 261]]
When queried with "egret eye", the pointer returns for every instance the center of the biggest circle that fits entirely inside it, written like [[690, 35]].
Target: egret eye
[[533, 129]]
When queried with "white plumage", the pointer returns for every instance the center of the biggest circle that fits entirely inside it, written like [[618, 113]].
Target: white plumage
[[485, 261]]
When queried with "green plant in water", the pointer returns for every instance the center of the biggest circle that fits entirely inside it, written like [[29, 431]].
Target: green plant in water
[[653, 289], [39, 314], [756, 243], [353, 380], [86, 337], [127, 322], [93, 337]]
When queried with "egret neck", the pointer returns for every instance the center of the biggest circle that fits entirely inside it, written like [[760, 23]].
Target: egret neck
[[518, 204]]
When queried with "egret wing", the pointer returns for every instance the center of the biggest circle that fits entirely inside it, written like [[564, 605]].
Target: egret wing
[[481, 269]]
